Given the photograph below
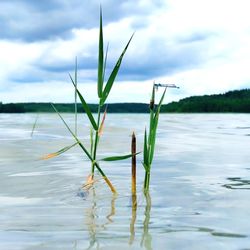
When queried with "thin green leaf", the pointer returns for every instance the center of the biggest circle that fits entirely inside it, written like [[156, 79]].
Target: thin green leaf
[[145, 150], [91, 141], [153, 139], [118, 158], [61, 151], [154, 127], [85, 107], [75, 137], [160, 103], [114, 74], [105, 62], [151, 123], [100, 59]]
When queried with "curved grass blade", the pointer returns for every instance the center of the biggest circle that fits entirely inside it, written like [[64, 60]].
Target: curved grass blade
[[61, 151], [75, 137], [113, 74], [100, 59], [85, 106], [118, 158]]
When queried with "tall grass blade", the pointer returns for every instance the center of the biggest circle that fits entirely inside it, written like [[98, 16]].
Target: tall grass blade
[[153, 139], [160, 103], [105, 63], [100, 59], [151, 123], [118, 158], [91, 141], [113, 74], [75, 137], [61, 151], [85, 106], [154, 127]]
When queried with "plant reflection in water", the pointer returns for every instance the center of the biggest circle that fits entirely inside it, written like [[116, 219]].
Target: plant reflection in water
[[91, 220]]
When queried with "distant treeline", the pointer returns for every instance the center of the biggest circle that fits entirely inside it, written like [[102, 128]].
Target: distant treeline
[[70, 107], [237, 101], [232, 101]]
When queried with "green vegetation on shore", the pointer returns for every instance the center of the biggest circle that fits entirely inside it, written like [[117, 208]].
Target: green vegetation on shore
[[237, 101]]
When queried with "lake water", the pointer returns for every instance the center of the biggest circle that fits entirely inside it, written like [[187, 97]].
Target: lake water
[[199, 192]]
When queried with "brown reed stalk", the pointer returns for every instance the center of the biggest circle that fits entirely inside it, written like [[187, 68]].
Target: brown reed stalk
[[133, 152]]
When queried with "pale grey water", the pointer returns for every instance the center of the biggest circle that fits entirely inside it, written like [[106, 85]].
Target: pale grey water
[[200, 185]]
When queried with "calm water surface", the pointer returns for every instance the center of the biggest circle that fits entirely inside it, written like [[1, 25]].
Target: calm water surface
[[199, 193]]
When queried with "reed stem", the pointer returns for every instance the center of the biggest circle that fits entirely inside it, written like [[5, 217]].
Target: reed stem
[[96, 139], [146, 181], [133, 152]]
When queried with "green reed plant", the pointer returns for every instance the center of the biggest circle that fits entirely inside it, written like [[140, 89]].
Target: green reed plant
[[103, 91], [149, 139]]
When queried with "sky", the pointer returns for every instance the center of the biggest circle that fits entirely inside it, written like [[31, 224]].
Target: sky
[[203, 46]]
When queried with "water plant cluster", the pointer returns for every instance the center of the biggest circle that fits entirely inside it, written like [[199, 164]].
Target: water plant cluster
[[97, 124]]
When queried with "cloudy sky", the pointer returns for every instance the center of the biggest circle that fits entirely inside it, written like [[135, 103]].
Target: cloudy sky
[[203, 46]]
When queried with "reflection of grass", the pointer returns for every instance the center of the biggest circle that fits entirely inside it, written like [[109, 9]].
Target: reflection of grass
[[133, 219], [103, 91], [146, 236], [92, 216]]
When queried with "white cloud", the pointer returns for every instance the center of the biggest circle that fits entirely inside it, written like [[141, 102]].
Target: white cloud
[[201, 45]]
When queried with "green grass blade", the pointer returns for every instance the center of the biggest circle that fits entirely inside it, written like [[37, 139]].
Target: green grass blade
[[85, 107], [151, 108], [61, 151], [160, 103], [75, 137], [91, 141], [100, 59], [105, 63], [114, 74], [154, 127], [153, 139], [118, 158], [145, 149]]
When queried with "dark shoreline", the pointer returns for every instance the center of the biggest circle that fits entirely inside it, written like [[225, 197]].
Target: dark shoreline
[[237, 101]]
